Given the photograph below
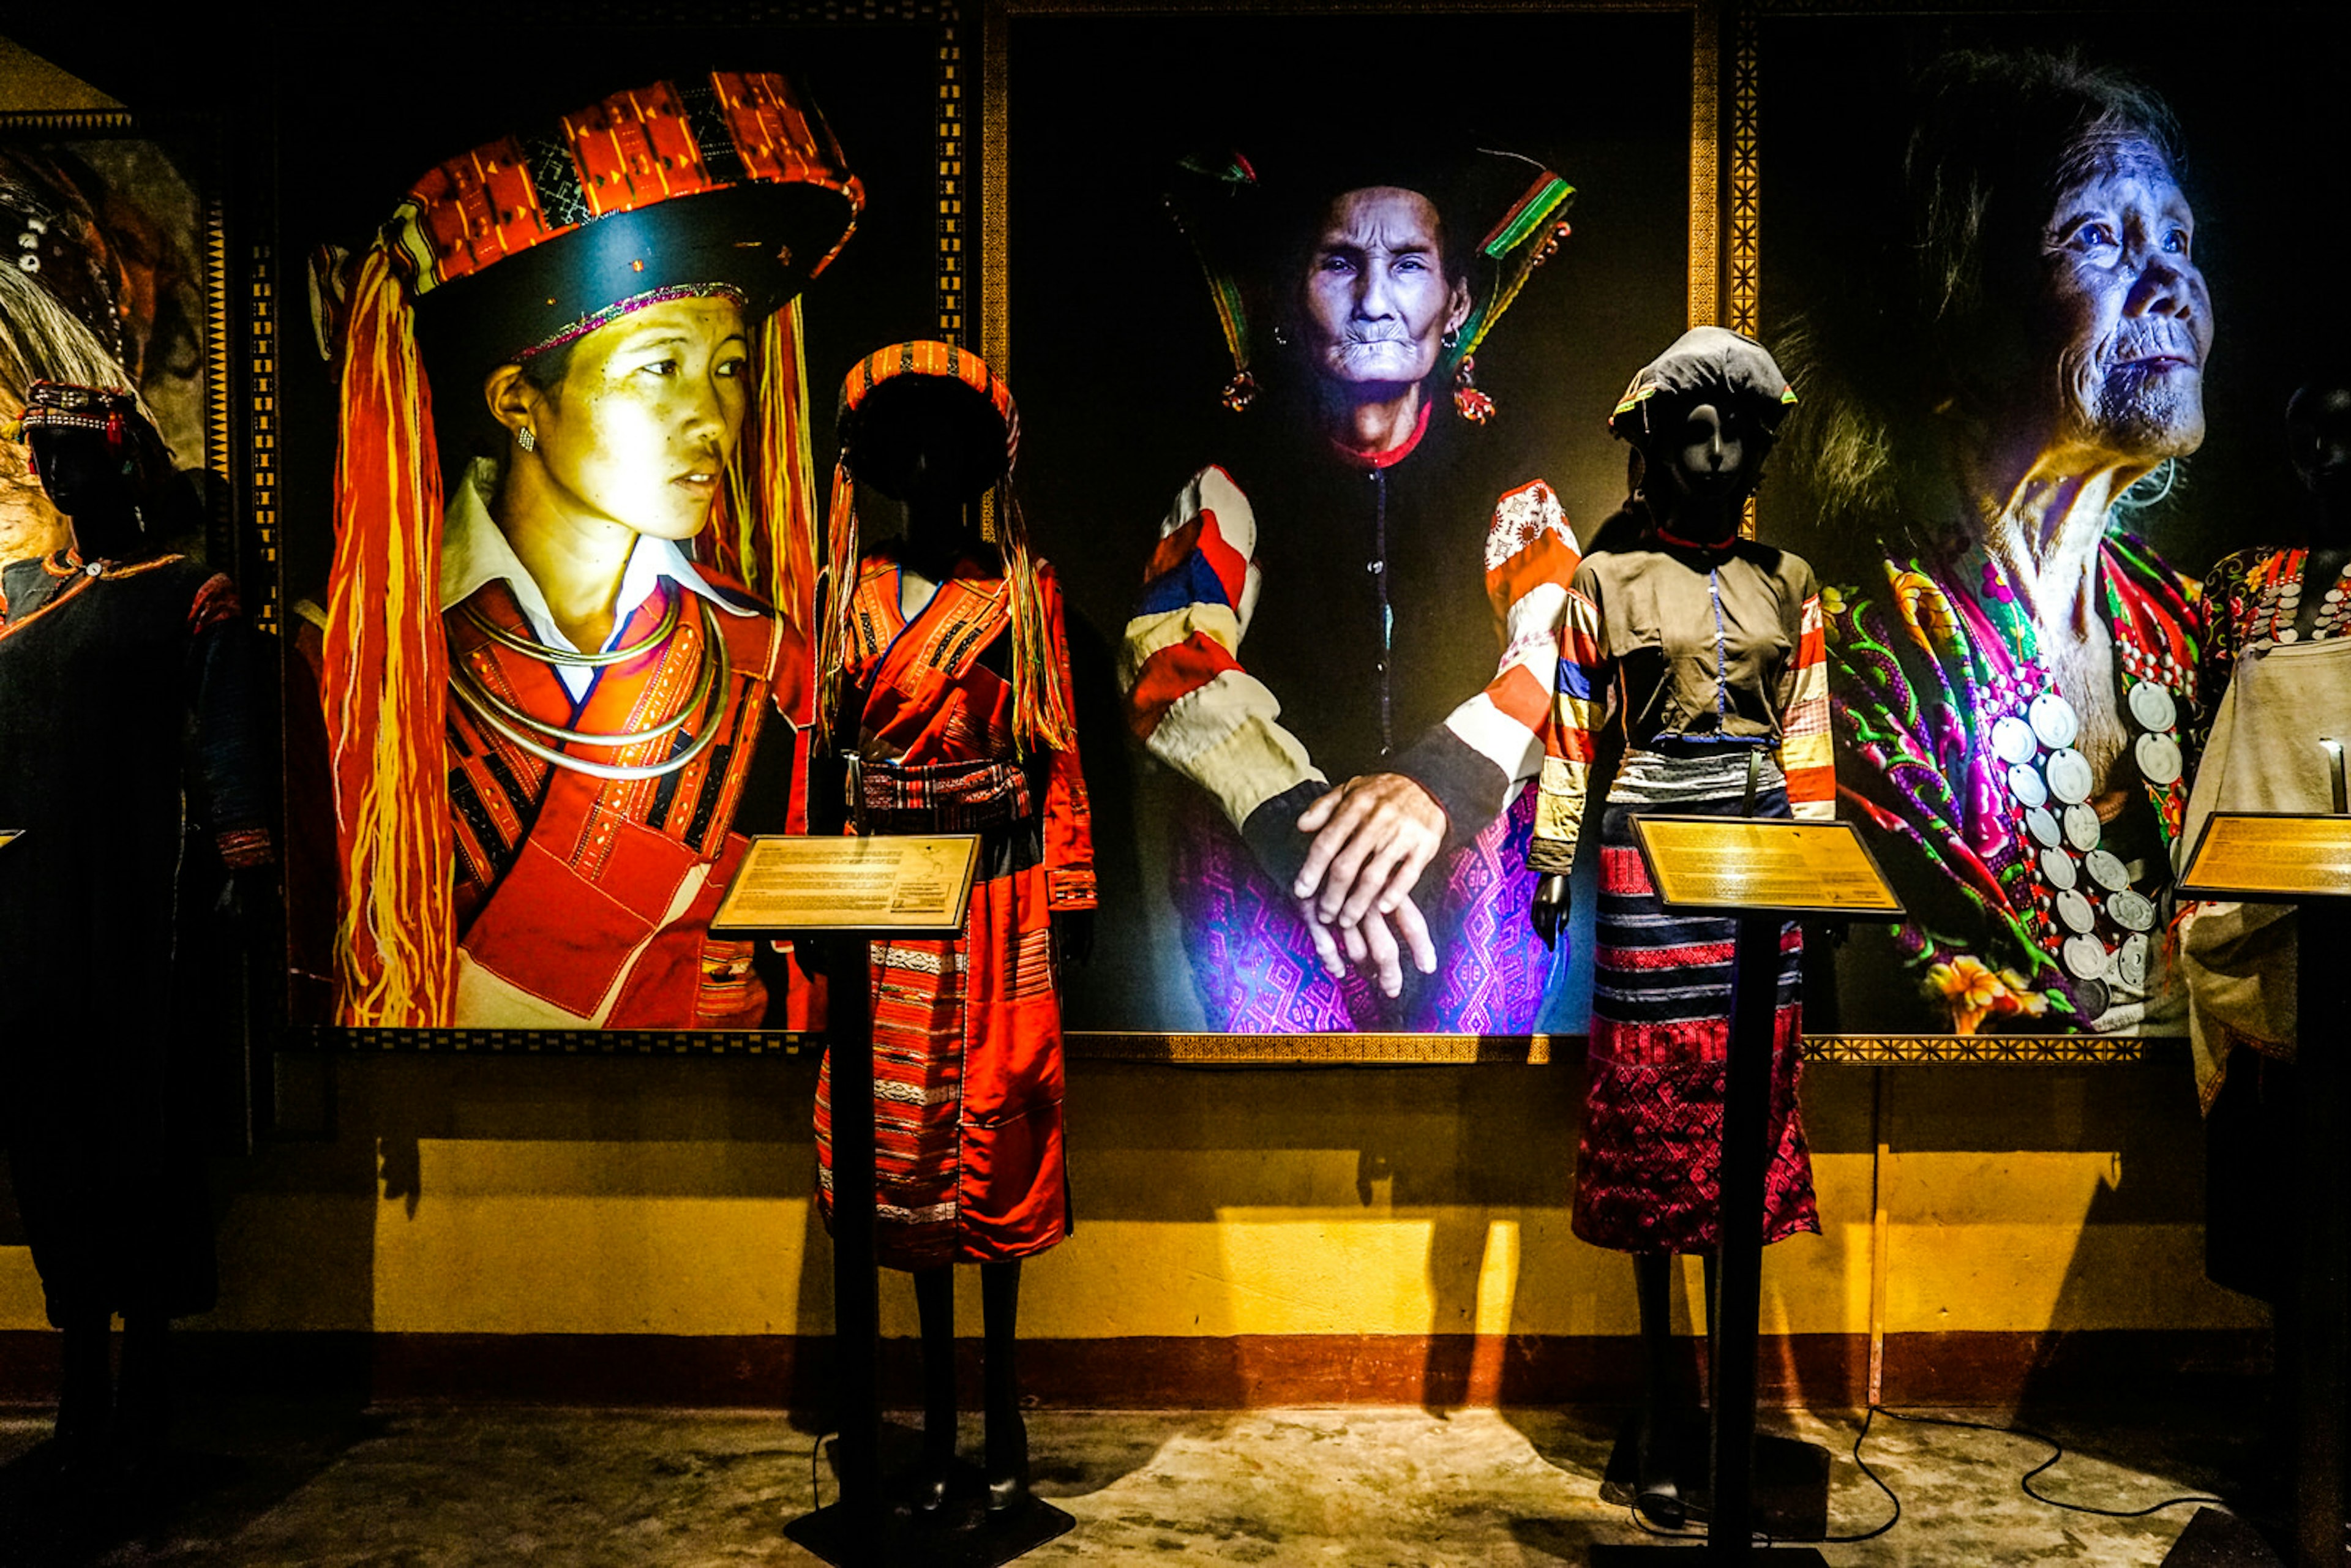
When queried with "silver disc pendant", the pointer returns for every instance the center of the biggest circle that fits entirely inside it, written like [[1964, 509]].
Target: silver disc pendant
[[2152, 707], [2011, 740], [2086, 957], [2132, 911], [2106, 871], [2069, 776], [2130, 964], [2026, 786], [2042, 826], [2158, 759], [2054, 720], [2082, 827], [2075, 912], [2058, 868], [2092, 996]]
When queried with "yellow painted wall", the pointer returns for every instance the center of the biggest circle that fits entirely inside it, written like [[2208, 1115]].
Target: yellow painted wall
[[675, 1196]]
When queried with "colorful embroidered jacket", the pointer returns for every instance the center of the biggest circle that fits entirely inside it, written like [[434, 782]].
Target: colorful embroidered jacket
[[1921, 671], [1307, 618], [1694, 651]]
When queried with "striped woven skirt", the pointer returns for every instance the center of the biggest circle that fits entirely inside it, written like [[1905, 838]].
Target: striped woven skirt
[[967, 1078], [1646, 1167]]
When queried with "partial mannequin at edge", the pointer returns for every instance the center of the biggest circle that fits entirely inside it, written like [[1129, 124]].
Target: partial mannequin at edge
[[131, 764], [1705, 649], [591, 661], [2275, 671], [946, 673]]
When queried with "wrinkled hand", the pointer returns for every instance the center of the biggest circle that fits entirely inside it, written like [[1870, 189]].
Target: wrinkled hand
[[1548, 909], [1374, 942], [1373, 838]]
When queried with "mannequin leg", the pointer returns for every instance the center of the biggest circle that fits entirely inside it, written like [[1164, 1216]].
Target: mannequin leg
[[1713, 1270], [1658, 1491], [1008, 1435], [934, 1302], [143, 1404], [86, 1393]]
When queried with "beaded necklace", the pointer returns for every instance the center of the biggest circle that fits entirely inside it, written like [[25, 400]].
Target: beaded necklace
[[2279, 600], [2085, 907]]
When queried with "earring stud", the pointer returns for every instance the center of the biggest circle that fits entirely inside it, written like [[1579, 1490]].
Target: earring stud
[[526, 440]]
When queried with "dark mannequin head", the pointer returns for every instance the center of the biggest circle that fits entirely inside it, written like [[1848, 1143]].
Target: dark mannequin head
[[929, 442], [1701, 457], [2318, 439]]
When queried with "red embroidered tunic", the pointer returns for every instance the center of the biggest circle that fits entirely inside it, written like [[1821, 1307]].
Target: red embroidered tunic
[[586, 901], [967, 1032]]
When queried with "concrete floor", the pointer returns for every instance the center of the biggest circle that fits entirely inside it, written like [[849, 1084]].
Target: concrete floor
[[278, 1485]]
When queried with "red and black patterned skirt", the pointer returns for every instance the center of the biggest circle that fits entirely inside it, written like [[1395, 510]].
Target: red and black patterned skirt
[[1645, 1168]]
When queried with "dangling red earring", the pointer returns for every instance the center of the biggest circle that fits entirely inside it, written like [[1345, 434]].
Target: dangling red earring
[[1467, 401]]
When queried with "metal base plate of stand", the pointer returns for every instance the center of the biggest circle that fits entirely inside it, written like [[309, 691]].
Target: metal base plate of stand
[[2217, 1540], [1646, 1556], [1792, 1480], [963, 1534]]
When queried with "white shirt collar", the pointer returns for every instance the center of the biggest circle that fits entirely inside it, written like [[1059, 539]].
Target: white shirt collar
[[474, 552]]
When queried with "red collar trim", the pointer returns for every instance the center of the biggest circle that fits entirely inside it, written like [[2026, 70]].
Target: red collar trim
[[1718, 548], [1394, 454]]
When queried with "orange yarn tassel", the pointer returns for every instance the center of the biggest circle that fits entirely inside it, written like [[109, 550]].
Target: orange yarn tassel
[[836, 590], [387, 669], [1041, 718], [762, 530]]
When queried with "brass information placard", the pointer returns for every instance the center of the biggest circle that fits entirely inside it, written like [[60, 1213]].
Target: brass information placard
[[2264, 855], [1734, 864], [886, 885]]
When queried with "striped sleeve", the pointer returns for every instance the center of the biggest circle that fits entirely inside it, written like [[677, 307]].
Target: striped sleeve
[[1490, 745], [1570, 739], [1187, 698], [1805, 754]]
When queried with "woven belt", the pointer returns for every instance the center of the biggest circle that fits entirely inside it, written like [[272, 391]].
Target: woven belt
[[945, 797]]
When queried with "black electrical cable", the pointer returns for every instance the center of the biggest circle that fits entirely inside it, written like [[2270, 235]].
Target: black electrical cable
[[2056, 1452], [1858, 1438]]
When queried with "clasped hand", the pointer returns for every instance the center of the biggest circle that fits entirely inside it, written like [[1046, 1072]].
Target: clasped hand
[[1373, 838]]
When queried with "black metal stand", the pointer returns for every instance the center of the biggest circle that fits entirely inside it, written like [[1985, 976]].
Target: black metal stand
[[2326, 1184], [852, 1531], [1736, 1312], [864, 1530]]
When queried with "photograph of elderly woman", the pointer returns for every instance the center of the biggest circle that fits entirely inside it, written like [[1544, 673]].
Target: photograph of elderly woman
[[553, 654], [2041, 358], [1315, 379]]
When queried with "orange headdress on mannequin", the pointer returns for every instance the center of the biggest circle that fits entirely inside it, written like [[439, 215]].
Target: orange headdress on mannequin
[[1039, 719]]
